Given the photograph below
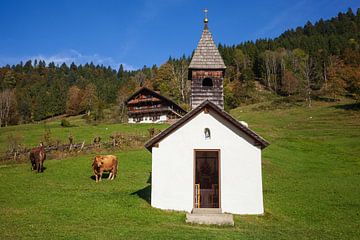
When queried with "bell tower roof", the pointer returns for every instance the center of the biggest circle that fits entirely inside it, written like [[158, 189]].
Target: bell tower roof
[[206, 55]]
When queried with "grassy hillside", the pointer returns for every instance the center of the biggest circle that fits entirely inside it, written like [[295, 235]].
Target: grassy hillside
[[311, 170], [311, 173]]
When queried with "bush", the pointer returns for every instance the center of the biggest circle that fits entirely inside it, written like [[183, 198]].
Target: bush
[[15, 142], [126, 140], [65, 123]]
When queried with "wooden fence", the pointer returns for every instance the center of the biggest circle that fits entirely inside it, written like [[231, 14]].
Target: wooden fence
[[118, 141]]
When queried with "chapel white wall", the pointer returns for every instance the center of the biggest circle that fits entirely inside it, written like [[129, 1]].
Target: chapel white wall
[[240, 165]]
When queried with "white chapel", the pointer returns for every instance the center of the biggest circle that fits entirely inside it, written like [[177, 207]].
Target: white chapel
[[207, 159]]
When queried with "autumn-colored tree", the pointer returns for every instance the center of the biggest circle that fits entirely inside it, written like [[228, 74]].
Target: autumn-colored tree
[[8, 107], [269, 60], [289, 83], [336, 84], [98, 113], [165, 81], [180, 77], [73, 102], [230, 100], [139, 79], [9, 79], [88, 99], [241, 61], [304, 67], [123, 94], [273, 61], [353, 79]]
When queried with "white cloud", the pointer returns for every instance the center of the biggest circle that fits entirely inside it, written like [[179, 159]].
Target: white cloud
[[68, 57]]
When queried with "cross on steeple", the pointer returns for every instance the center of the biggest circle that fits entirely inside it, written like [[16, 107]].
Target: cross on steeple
[[206, 20]]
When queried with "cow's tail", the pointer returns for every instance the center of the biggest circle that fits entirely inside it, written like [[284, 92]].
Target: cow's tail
[[116, 167], [41, 159]]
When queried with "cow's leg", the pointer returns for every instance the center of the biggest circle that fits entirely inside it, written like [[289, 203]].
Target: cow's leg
[[112, 174], [42, 158], [37, 166], [109, 178], [115, 169], [100, 175], [96, 178]]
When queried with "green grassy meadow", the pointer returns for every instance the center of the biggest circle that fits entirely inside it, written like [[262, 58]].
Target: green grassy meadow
[[311, 176]]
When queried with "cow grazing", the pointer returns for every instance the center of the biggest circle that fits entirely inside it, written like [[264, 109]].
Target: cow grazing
[[37, 158], [106, 163]]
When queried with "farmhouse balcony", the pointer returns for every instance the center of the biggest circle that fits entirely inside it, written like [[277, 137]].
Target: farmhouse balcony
[[149, 110], [143, 100]]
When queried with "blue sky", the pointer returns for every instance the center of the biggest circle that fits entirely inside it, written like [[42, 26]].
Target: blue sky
[[143, 32]]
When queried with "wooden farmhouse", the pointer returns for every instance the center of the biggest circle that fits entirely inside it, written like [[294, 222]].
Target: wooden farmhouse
[[147, 106], [207, 160]]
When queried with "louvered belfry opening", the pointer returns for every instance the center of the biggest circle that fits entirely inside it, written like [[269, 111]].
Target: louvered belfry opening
[[207, 82], [207, 64]]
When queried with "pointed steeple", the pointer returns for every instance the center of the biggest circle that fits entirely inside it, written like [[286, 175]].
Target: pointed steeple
[[206, 71], [206, 55]]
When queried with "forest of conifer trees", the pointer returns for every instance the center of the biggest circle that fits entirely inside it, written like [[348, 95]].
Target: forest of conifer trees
[[316, 61]]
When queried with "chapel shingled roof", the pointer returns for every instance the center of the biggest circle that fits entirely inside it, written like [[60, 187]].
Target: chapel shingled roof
[[259, 141], [206, 55]]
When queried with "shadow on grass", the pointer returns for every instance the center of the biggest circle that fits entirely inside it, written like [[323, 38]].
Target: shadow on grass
[[353, 106], [43, 170], [104, 176], [145, 193], [325, 99]]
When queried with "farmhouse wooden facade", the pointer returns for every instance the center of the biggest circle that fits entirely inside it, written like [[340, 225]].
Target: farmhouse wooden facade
[[147, 106]]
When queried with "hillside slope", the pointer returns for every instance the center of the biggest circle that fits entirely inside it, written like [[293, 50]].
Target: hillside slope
[[311, 173]]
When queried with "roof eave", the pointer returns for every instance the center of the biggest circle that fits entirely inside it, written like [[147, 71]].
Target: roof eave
[[156, 94], [156, 139], [208, 68]]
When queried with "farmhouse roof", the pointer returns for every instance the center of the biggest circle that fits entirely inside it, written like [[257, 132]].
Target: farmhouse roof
[[206, 55], [259, 141], [156, 95]]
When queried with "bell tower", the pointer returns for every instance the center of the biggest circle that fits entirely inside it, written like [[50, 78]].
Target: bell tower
[[206, 71]]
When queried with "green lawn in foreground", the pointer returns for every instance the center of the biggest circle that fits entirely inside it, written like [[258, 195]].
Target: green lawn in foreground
[[311, 174]]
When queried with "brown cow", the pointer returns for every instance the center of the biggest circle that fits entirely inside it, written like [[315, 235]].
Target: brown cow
[[37, 158], [105, 163]]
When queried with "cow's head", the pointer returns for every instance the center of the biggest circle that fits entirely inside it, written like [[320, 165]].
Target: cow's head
[[98, 161]]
